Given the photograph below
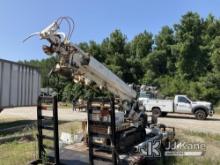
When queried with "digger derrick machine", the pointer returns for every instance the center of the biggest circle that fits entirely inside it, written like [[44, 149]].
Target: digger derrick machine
[[81, 66], [74, 63]]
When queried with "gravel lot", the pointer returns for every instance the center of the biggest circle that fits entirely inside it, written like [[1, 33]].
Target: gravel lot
[[31, 114], [188, 122]]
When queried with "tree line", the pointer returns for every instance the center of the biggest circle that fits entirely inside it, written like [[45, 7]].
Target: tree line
[[182, 59]]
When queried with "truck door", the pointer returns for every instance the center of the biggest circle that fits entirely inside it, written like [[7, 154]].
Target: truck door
[[183, 105]]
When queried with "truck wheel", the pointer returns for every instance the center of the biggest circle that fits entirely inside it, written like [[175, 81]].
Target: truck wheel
[[164, 114], [200, 115], [156, 112]]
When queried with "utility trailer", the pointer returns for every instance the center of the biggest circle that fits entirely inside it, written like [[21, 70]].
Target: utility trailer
[[132, 130], [111, 140], [19, 84]]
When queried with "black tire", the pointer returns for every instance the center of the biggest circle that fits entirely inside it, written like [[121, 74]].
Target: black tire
[[200, 114], [164, 114], [156, 112]]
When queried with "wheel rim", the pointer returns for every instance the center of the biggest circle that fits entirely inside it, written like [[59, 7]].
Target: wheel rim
[[200, 115]]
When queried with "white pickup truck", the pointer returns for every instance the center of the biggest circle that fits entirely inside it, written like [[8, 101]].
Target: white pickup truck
[[180, 104]]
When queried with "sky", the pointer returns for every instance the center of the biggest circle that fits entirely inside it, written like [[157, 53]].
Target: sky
[[94, 20]]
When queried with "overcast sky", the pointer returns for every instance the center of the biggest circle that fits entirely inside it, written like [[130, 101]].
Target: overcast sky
[[94, 19]]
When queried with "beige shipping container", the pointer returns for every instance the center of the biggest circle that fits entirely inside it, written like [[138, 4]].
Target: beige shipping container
[[19, 84]]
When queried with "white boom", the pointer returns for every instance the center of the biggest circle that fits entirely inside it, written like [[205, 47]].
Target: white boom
[[80, 65], [90, 69]]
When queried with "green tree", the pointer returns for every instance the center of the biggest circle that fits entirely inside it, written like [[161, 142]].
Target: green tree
[[183, 59], [139, 48], [141, 45], [215, 54], [155, 64], [117, 54], [164, 41], [191, 61]]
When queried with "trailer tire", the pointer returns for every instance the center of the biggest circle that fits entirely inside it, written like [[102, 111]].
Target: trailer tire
[[156, 112], [164, 114], [143, 119], [200, 114]]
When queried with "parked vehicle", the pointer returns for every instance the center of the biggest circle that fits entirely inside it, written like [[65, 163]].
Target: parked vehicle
[[180, 104]]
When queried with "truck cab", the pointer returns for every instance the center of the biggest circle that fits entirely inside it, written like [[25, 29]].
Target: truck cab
[[182, 104], [201, 109]]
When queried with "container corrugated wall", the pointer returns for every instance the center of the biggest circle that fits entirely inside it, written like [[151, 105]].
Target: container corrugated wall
[[19, 84]]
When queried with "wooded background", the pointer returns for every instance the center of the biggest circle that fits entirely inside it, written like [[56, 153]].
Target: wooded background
[[182, 59]]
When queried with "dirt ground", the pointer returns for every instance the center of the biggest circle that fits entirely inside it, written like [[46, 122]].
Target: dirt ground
[[187, 122], [31, 114]]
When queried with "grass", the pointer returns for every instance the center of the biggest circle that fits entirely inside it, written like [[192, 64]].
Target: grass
[[17, 152], [206, 136], [212, 153], [9, 124], [16, 127], [24, 150], [190, 161], [65, 105], [71, 127], [217, 109]]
